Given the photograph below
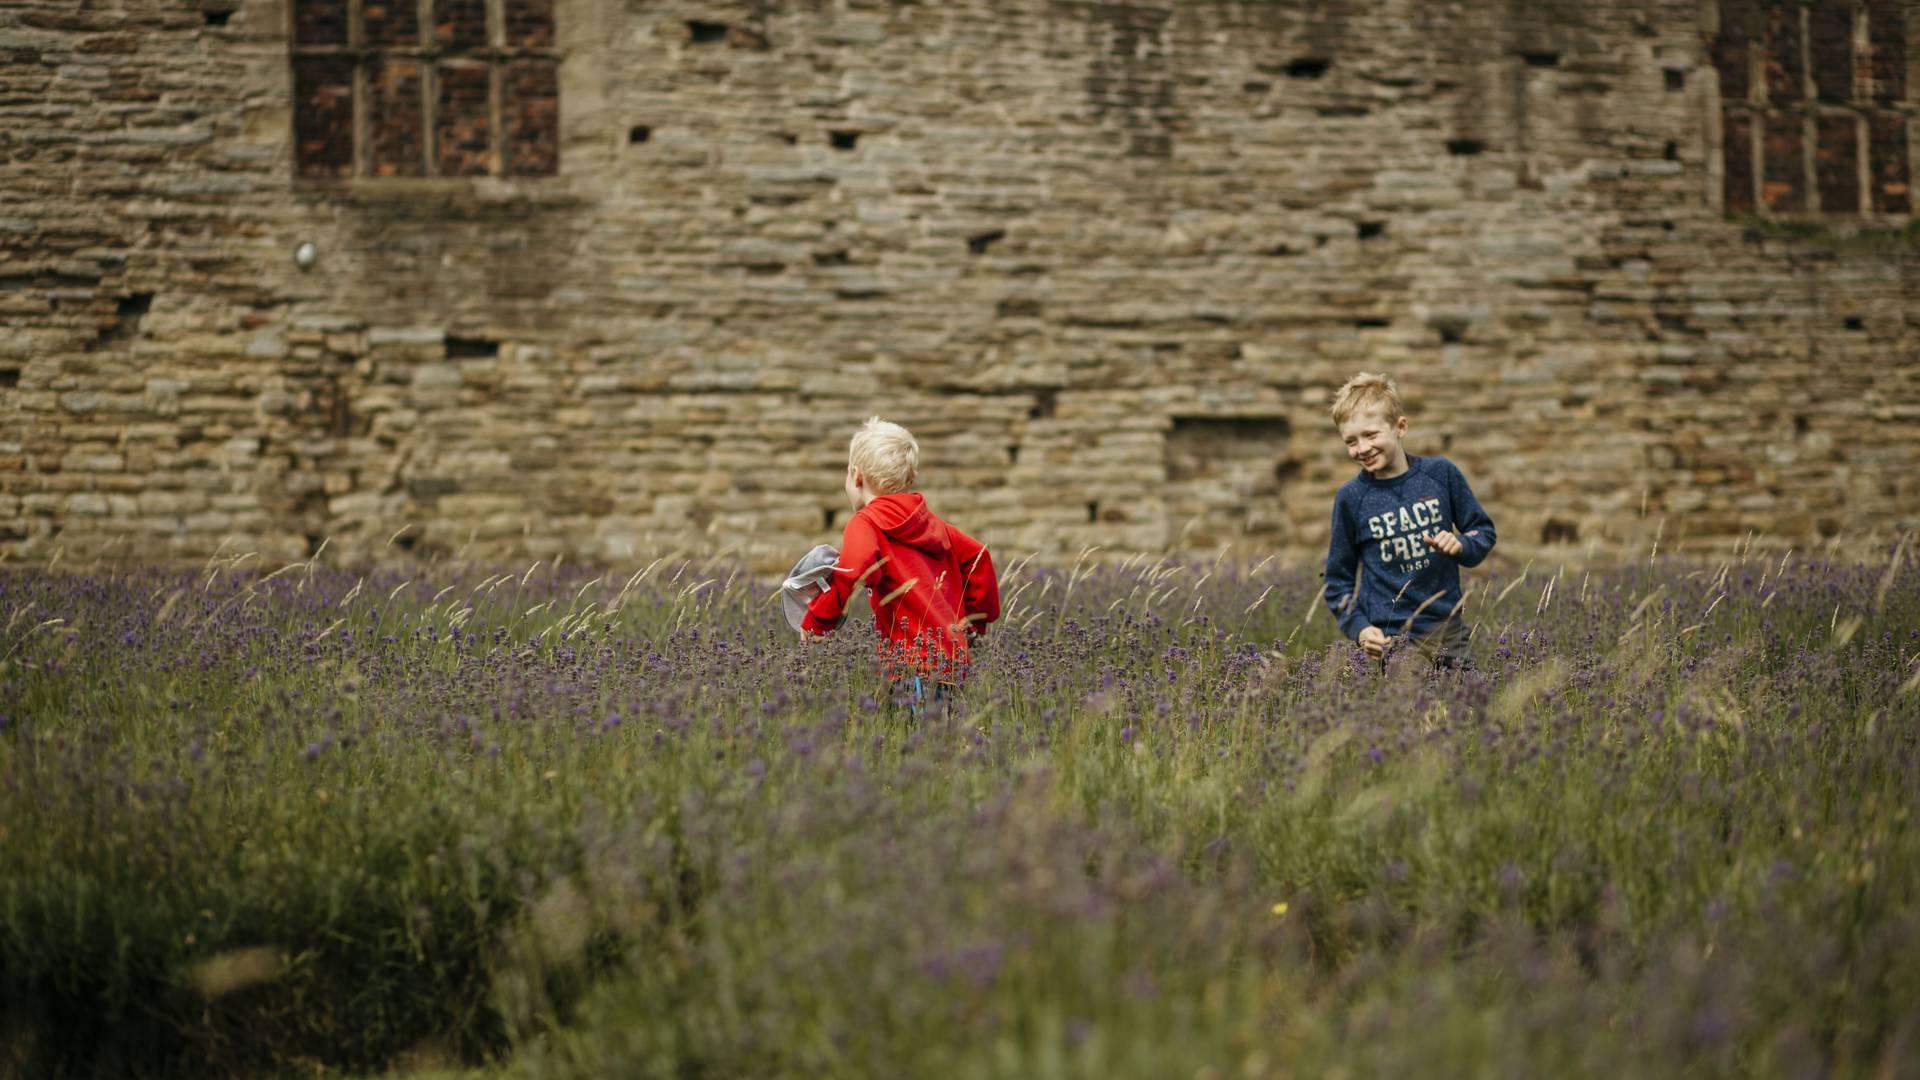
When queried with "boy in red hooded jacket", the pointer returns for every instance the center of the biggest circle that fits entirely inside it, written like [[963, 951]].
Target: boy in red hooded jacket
[[932, 586]]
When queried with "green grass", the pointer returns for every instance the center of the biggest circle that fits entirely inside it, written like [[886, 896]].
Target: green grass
[[539, 825]]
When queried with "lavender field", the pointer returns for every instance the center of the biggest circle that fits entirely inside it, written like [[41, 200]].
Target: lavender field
[[538, 822]]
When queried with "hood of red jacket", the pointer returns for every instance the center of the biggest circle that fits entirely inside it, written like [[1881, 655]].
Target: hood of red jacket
[[905, 519]]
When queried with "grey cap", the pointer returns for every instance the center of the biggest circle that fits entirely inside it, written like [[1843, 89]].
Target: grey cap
[[813, 569]]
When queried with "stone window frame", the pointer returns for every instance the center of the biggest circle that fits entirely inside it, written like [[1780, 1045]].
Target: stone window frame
[[1783, 142], [515, 66]]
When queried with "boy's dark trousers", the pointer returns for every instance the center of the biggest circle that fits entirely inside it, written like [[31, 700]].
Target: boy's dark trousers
[[1448, 647]]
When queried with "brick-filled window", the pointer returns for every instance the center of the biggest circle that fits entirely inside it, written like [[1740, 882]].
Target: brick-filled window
[[1816, 111], [425, 88]]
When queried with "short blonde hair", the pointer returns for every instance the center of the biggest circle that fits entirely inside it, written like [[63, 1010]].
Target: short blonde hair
[[1367, 391], [886, 454]]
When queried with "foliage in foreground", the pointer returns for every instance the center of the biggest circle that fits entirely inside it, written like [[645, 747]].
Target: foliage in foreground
[[555, 825]]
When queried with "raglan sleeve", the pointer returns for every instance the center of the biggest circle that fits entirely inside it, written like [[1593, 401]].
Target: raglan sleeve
[[1470, 519], [859, 551], [980, 585], [1342, 573]]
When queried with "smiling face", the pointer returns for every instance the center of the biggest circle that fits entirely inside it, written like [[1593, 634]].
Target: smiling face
[[1373, 442]]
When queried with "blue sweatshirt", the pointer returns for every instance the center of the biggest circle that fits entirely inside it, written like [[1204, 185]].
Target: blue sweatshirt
[[1377, 525]]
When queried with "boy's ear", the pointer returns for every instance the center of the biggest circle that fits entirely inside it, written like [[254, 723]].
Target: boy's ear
[[859, 479]]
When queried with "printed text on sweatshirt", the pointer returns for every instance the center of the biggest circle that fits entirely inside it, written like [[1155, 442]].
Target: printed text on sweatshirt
[[1380, 572]]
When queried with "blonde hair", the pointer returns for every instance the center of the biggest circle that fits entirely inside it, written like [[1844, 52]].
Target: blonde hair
[[1367, 391], [886, 454]]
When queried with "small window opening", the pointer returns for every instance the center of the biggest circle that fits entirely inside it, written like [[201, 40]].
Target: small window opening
[[843, 140], [1540, 58], [1676, 79], [1672, 151], [706, 33], [1556, 531], [1465, 147], [978, 244], [127, 316], [216, 18], [1308, 67], [1370, 229], [639, 133], [459, 348], [9, 376], [1093, 511]]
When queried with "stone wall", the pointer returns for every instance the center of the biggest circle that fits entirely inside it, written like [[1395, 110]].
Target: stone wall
[[1107, 260]]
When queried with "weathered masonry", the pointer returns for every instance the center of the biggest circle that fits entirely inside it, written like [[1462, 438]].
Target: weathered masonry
[[606, 278]]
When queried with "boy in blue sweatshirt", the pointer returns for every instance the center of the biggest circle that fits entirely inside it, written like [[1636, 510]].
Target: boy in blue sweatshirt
[[1401, 531]]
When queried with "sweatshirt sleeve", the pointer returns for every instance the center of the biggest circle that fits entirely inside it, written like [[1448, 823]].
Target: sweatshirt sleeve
[[859, 552], [1343, 565], [980, 584], [1470, 519]]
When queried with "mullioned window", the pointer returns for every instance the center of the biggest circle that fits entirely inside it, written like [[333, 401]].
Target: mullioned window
[[1816, 116], [424, 88]]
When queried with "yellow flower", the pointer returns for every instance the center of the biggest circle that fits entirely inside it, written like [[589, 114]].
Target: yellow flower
[[1280, 909]]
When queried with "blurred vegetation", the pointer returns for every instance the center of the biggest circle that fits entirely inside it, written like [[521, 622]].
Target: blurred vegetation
[[548, 823]]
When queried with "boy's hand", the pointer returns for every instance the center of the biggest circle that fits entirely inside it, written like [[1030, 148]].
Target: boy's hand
[[1375, 641], [1445, 541]]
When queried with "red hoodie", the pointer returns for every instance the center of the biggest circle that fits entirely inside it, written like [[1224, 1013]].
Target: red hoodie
[[931, 585]]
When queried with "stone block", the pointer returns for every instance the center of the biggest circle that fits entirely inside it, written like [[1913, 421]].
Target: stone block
[[92, 461]]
